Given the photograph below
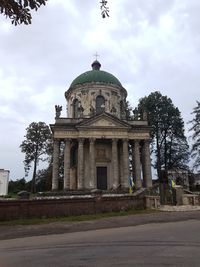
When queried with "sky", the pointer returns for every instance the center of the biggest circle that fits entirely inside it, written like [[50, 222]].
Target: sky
[[149, 45]]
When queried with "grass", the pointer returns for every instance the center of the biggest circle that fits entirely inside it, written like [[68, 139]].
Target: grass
[[77, 218]]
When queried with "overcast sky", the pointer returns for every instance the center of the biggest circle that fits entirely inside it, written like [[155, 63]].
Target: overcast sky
[[148, 45]]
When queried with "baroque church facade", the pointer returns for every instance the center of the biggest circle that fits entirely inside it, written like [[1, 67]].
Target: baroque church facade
[[98, 139]]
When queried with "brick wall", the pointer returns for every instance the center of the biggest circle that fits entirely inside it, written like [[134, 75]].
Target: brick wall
[[38, 208]]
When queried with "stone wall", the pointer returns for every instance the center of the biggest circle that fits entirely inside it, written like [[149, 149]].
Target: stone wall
[[78, 205], [190, 199], [86, 95]]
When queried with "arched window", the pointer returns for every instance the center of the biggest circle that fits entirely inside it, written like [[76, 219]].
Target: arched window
[[75, 108], [100, 104]]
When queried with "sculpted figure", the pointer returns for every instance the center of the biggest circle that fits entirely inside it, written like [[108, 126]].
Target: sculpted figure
[[58, 111], [144, 115], [81, 110], [113, 110], [136, 114], [92, 110]]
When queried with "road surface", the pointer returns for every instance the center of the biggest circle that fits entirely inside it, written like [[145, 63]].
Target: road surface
[[155, 244]]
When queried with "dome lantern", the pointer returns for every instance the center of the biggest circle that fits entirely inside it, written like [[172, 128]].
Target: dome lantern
[[96, 65]]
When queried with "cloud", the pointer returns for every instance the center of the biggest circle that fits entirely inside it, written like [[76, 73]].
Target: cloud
[[148, 45]]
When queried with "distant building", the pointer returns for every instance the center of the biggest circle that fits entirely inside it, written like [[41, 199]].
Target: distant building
[[197, 180], [4, 179]]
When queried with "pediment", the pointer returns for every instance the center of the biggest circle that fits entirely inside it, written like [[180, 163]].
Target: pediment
[[104, 121]]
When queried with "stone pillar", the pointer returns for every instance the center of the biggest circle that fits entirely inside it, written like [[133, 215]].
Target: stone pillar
[[115, 165], [124, 182], [55, 172], [121, 171], [146, 162], [92, 162], [80, 163], [136, 164], [67, 165]]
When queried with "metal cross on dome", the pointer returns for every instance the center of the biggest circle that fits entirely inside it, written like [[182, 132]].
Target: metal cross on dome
[[96, 55]]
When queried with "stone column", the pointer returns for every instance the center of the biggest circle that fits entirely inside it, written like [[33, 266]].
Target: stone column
[[55, 172], [136, 164], [92, 162], [121, 171], [146, 162], [115, 165], [80, 163], [67, 165], [125, 177]]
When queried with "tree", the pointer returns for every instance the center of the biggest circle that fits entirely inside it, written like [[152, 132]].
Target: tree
[[195, 151], [18, 185], [168, 139], [104, 9], [19, 11], [36, 146]]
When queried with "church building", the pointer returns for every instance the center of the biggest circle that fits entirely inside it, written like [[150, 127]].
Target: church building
[[102, 147]]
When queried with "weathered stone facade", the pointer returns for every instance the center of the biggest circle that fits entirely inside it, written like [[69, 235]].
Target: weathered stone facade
[[98, 138]]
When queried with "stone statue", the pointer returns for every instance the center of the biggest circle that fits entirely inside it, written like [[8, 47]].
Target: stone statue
[[81, 110], [92, 110], [113, 110], [136, 114], [144, 116], [58, 111]]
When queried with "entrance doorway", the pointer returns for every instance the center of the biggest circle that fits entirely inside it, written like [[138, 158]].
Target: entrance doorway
[[102, 178]]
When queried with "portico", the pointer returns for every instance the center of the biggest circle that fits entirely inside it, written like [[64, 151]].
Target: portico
[[101, 154]]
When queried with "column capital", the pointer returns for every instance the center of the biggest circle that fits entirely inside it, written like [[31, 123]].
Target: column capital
[[147, 141], [92, 140], [115, 140], [81, 140], [136, 141], [125, 139]]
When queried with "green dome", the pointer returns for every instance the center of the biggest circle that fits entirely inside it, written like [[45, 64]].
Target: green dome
[[96, 75]]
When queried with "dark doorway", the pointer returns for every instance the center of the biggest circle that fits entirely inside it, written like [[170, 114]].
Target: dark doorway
[[102, 178]]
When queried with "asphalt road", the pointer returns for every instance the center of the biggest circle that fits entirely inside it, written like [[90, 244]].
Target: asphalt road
[[155, 244]]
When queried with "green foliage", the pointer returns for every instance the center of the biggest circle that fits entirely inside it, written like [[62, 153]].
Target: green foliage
[[104, 9], [19, 11], [43, 179], [18, 185], [36, 146], [168, 139], [196, 136]]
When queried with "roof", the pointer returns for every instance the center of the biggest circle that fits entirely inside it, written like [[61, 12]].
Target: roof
[[96, 75]]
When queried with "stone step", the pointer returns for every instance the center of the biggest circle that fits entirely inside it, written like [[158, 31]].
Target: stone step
[[179, 208]]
